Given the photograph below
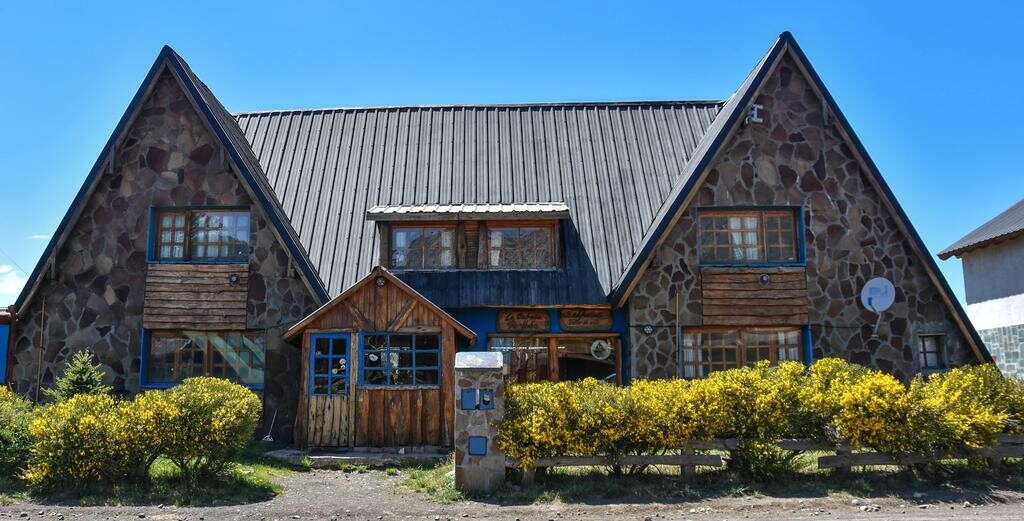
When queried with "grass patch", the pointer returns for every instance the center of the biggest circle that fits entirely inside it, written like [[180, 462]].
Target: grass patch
[[250, 478], [431, 478], [953, 481]]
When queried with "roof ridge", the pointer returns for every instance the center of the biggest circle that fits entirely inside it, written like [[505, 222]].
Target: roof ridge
[[542, 104]]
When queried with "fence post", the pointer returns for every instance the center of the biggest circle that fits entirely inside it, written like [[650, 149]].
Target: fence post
[[843, 448], [479, 408], [687, 470]]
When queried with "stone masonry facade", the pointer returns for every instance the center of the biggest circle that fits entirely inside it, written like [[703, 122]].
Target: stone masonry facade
[[168, 158], [1006, 345], [794, 159]]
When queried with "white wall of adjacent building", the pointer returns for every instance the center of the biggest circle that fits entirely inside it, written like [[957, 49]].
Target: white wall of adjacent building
[[999, 312]]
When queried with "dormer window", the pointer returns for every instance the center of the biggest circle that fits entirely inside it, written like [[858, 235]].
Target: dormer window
[[423, 247], [520, 246]]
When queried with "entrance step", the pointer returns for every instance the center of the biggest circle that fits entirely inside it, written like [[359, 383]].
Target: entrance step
[[324, 459]]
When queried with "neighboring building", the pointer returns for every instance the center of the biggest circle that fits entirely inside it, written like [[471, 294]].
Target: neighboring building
[[618, 240], [993, 264]]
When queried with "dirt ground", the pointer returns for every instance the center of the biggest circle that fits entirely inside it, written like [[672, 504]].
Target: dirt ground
[[372, 496]]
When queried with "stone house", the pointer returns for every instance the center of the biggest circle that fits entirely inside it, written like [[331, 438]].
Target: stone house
[[993, 264], [615, 240]]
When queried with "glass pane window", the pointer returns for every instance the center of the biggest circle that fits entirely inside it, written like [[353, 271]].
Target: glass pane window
[[932, 347], [174, 356], [330, 363], [708, 350], [423, 247], [523, 247], [748, 236], [525, 356], [401, 359], [202, 235]]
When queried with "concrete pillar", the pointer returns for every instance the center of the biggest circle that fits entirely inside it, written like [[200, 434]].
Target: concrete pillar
[[479, 408]]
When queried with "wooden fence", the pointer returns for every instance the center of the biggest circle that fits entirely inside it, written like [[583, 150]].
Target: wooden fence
[[691, 456]]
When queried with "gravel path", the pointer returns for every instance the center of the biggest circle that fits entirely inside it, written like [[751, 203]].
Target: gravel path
[[371, 496]]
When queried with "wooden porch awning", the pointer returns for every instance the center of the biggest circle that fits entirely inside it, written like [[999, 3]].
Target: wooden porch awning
[[373, 277]]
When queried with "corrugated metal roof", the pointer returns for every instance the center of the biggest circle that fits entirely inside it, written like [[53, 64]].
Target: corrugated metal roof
[[469, 210], [612, 164], [1002, 226]]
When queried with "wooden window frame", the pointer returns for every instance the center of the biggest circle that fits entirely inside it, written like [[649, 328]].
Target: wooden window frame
[[331, 357], [762, 215], [413, 369], [551, 348], [490, 226], [939, 352], [150, 336], [740, 346], [188, 213], [395, 227]]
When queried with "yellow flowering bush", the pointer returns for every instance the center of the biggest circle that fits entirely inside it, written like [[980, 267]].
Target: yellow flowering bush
[[88, 438], [832, 400], [204, 422], [71, 441], [15, 415]]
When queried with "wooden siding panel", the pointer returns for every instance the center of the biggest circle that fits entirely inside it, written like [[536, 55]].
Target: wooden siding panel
[[738, 297], [196, 296]]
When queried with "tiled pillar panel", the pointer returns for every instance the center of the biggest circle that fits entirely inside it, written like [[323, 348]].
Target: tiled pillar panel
[[479, 408]]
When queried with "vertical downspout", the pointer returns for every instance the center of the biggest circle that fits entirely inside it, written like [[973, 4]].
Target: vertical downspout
[[679, 340], [12, 327], [39, 359]]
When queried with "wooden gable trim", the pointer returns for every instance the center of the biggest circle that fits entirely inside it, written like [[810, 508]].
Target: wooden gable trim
[[341, 299]]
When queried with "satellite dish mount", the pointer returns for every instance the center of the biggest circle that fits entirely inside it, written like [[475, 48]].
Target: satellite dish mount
[[877, 296]]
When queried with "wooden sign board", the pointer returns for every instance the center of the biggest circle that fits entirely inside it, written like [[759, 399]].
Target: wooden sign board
[[585, 319], [524, 320]]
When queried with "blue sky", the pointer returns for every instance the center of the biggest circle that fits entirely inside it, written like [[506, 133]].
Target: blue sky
[[930, 88]]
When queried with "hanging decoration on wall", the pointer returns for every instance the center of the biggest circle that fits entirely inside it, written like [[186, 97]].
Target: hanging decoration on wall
[[585, 319], [524, 320], [600, 349]]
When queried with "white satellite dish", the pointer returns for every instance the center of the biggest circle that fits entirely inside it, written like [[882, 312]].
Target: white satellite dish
[[878, 294]]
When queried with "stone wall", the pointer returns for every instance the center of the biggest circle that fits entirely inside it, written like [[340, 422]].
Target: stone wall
[[479, 410], [793, 159], [167, 158], [1006, 344]]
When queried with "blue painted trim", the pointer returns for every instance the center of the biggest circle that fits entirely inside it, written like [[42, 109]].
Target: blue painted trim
[[347, 338], [5, 335], [798, 221], [144, 368], [808, 346], [154, 211], [413, 368]]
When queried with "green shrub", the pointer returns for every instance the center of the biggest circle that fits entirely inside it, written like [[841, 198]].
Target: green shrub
[[80, 377], [71, 442], [204, 423], [15, 415], [761, 404]]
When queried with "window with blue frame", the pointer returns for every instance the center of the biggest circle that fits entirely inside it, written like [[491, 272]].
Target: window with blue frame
[[400, 359], [749, 236], [329, 372], [172, 356], [201, 235]]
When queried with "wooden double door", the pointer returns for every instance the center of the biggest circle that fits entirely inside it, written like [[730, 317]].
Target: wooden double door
[[344, 412]]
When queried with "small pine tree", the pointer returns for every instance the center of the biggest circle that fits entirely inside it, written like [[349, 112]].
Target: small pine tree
[[80, 377]]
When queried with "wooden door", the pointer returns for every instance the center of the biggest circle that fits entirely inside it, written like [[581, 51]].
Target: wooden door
[[330, 418]]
